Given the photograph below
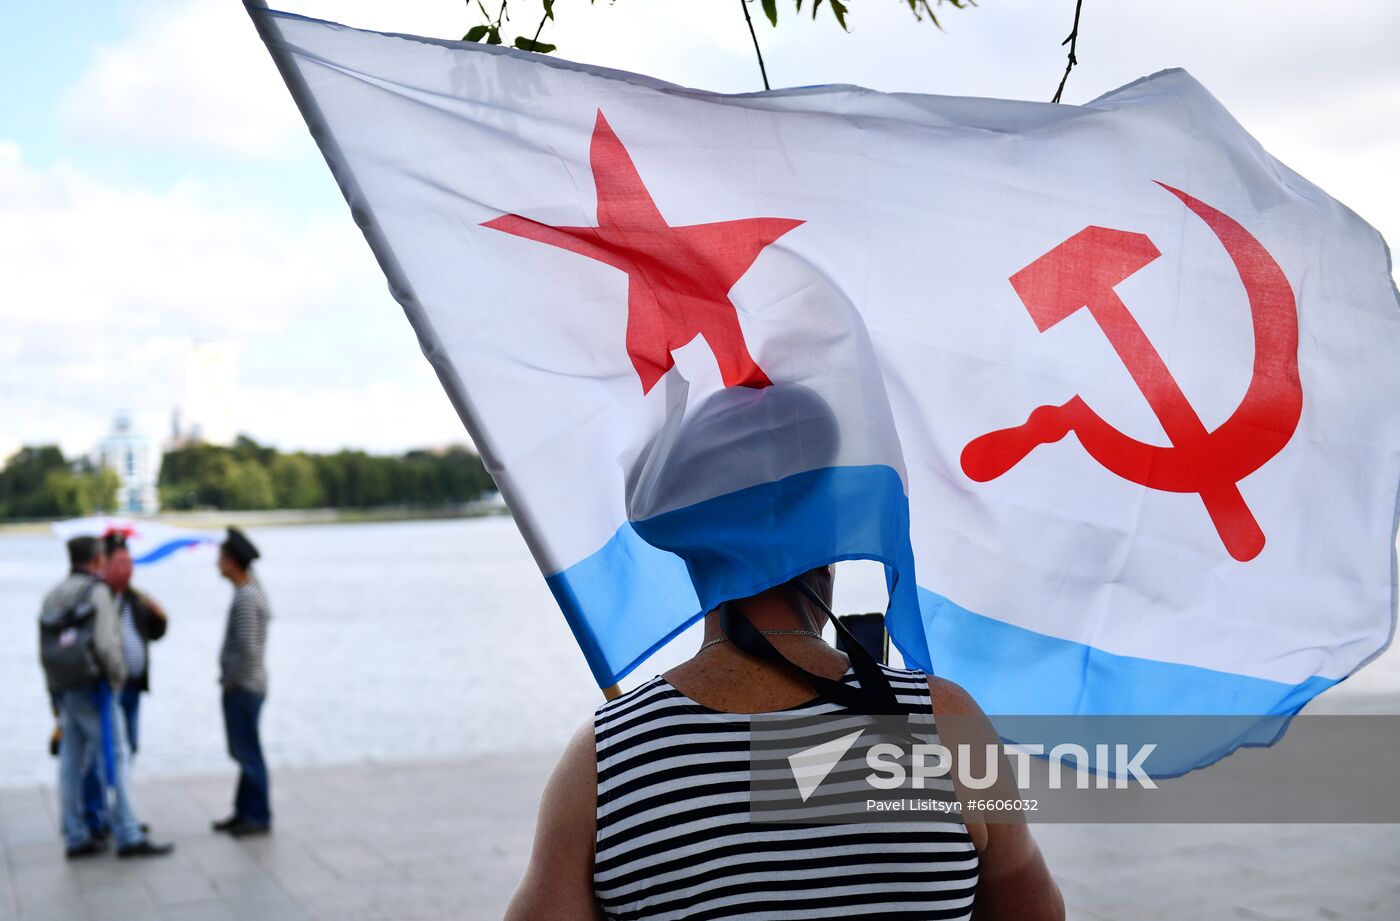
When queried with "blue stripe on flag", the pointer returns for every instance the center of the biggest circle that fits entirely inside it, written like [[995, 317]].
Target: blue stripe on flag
[[630, 597], [627, 599], [167, 548], [634, 594], [1012, 670]]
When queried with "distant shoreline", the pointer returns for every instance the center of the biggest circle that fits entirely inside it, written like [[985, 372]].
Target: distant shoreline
[[205, 519]]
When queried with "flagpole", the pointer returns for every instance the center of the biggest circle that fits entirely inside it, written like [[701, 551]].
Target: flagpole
[[399, 285]]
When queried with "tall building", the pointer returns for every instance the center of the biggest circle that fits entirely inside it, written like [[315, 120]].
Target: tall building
[[206, 412], [136, 465]]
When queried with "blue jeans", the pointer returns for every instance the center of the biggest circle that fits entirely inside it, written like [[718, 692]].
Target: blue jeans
[[94, 784], [80, 718], [251, 802]]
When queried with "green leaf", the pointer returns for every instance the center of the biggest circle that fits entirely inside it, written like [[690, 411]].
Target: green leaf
[[549, 9], [529, 44], [839, 9], [476, 33], [816, 5], [493, 37], [770, 9]]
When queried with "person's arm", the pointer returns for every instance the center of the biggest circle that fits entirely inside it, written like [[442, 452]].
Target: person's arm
[[1013, 880], [558, 883], [153, 621], [107, 636], [232, 654]]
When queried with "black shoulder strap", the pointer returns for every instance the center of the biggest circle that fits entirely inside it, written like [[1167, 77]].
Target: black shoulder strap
[[875, 696]]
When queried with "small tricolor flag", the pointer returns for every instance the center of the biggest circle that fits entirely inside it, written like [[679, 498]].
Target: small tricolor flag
[[148, 541]]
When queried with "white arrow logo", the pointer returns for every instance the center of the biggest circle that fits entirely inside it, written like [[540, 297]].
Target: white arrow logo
[[810, 767]]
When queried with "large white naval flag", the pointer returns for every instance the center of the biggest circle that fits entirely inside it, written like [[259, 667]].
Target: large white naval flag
[[1110, 391]]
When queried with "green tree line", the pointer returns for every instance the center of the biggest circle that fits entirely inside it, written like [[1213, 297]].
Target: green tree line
[[248, 475], [39, 482]]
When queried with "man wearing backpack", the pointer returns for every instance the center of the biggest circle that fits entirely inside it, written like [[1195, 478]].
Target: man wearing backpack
[[80, 648]]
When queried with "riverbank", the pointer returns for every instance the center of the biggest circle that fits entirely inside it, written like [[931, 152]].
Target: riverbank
[[206, 519], [412, 640], [449, 840]]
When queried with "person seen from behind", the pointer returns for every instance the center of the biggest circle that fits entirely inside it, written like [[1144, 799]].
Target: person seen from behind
[[647, 814]]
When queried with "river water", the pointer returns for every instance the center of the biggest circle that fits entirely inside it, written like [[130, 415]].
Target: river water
[[389, 642]]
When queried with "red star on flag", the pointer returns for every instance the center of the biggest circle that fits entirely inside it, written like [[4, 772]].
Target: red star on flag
[[678, 277]]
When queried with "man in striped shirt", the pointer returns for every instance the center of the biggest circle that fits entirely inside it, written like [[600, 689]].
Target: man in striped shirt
[[648, 814], [243, 675]]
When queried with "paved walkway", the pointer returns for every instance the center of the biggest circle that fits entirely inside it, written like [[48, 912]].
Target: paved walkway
[[440, 841], [443, 841]]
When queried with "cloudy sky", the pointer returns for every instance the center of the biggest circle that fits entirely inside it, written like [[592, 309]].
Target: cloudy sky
[[157, 187]]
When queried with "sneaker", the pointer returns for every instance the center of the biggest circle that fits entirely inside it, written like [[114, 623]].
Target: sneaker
[[145, 848], [88, 848]]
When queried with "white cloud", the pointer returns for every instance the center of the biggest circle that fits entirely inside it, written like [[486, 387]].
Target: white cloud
[[193, 78], [79, 253], [103, 286], [189, 78]]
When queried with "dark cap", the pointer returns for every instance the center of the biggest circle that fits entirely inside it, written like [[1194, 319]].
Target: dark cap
[[238, 546], [113, 541]]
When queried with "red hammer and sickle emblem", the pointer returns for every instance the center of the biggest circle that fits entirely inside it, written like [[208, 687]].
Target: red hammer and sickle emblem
[[1082, 272]]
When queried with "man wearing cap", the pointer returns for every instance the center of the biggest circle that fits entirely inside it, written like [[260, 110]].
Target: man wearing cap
[[243, 675]]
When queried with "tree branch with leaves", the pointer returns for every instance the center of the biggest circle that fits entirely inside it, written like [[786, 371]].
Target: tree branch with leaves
[[491, 31]]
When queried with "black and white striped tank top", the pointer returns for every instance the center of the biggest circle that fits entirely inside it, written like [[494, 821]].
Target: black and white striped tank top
[[674, 839]]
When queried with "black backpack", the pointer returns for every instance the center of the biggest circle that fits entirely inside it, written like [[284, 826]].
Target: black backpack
[[66, 643]]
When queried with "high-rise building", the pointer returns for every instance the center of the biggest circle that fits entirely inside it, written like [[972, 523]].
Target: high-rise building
[[206, 412]]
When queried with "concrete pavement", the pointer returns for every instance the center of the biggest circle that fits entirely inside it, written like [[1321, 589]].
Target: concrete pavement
[[358, 843], [415, 842]]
